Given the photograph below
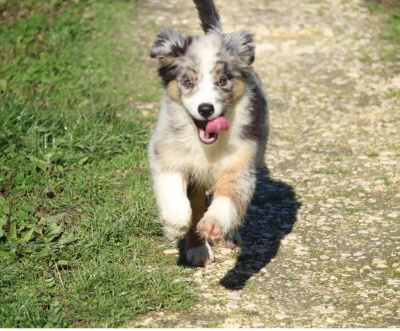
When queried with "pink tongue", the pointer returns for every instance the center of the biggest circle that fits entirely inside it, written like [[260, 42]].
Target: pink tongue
[[217, 124]]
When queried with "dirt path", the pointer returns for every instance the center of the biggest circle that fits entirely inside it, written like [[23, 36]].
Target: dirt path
[[321, 240]]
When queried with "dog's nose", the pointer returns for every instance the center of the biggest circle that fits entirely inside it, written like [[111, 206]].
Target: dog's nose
[[206, 109]]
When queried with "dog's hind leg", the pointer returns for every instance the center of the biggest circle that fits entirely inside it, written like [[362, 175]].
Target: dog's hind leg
[[198, 251], [231, 240]]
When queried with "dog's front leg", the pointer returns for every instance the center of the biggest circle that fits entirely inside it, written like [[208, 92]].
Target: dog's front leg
[[173, 203], [233, 191]]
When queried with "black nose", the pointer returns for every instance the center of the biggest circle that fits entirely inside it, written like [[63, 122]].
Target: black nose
[[206, 109]]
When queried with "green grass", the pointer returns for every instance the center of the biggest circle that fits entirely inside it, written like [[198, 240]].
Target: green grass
[[392, 9], [245, 312], [372, 154], [391, 93], [384, 178], [343, 193], [79, 240], [331, 171]]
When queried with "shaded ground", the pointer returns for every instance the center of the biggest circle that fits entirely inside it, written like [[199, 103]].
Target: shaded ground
[[322, 235]]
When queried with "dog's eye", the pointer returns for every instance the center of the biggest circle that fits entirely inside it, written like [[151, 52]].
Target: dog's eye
[[222, 81], [188, 83]]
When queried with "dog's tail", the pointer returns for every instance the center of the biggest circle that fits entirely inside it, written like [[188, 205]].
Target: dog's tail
[[208, 15]]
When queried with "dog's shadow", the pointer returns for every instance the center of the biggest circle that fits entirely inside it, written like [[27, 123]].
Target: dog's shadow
[[270, 217]]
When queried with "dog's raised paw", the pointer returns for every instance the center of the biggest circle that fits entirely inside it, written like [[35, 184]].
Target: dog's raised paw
[[209, 228], [200, 256]]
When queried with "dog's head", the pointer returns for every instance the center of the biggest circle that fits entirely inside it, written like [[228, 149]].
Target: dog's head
[[206, 74]]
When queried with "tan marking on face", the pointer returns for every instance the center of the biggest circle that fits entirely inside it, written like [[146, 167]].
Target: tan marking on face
[[238, 89], [226, 97], [174, 91], [235, 93], [227, 180]]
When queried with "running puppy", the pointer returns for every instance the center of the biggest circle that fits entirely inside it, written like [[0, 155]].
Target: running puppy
[[211, 134]]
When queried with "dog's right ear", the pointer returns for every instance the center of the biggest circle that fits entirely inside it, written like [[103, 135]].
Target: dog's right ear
[[169, 43]]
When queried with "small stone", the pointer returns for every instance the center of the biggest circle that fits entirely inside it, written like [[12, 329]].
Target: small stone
[[228, 262], [301, 250], [251, 307], [225, 251], [267, 235], [396, 81], [379, 263], [258, 325], [291, 237], [280, 316], [231, 323], [232, 305], [207, 295], [234, 296], [394, 282], [261, 250], [172, 251], [330, 320]]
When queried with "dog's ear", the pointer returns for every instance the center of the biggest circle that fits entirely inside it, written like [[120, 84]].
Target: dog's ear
[[240, 44], [169, 43]]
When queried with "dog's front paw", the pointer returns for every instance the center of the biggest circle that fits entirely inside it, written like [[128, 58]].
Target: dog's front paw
[[209, 228], [200, 256], [176, 219]]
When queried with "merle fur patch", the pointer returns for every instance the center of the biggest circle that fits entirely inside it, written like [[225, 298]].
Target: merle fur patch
[[170, 43], [240, 44], [257, 110]]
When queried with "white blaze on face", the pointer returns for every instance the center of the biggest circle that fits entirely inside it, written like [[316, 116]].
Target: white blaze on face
[[205, 49]]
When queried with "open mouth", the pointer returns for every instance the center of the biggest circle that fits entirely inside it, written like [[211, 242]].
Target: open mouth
[[205, 138], [208, 130]]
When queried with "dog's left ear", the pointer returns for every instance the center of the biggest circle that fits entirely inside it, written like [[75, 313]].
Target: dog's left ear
[[169, 43], [240, 44]]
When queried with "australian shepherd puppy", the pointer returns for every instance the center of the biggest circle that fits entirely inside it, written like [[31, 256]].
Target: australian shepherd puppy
[[211, 134]]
